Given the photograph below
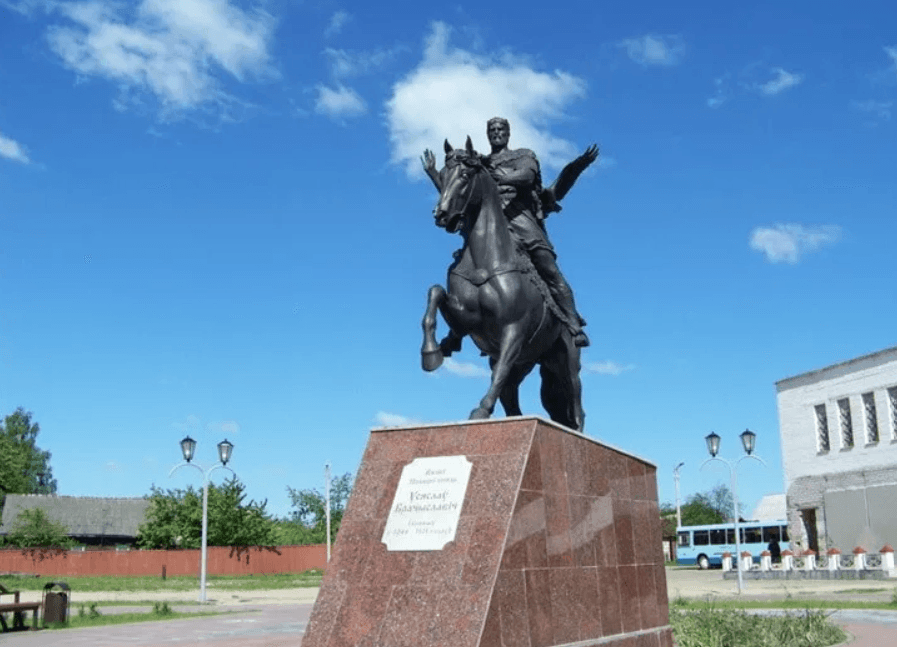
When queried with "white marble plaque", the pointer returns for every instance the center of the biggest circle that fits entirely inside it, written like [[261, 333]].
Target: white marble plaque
[[427, 505]]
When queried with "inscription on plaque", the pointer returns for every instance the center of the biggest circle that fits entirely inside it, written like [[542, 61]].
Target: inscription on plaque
[[427, 505]]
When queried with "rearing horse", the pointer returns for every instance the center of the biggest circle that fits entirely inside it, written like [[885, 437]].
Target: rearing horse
[[494, 296]]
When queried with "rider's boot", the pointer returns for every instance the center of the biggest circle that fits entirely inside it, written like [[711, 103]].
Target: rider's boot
[[563, 296], [546, 265]]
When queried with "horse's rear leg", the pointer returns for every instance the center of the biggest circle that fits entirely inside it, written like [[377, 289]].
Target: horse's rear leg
[[510, 395], [561, 386], [511, 345], [431, 354]]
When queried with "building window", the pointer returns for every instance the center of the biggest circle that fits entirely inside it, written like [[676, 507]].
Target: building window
[[846, 423], [871, 417], [892, 405], [822, 428]]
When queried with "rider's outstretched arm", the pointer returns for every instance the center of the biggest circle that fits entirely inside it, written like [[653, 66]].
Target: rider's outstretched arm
[[429, 163]]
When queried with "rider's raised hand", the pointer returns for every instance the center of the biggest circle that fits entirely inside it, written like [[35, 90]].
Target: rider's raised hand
[[590, 155], [429, 161]]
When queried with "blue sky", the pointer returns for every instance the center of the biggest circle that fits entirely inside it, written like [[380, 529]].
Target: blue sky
[[213, 220]]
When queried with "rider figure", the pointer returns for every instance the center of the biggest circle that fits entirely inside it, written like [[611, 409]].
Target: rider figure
[[519, 180]]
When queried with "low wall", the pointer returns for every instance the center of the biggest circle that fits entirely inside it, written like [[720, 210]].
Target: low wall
[[222, 560], [808, 575]]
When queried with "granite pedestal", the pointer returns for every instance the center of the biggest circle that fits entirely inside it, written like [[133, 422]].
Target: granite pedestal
[[558, 542]]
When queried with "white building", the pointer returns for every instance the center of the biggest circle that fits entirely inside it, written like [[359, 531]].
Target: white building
[[839, 451], [771, 507]]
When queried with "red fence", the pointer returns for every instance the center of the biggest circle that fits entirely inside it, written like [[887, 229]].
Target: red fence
[[222, 560]]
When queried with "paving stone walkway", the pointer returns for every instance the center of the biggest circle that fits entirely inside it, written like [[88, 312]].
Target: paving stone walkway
[[278, 618], [278, 625]]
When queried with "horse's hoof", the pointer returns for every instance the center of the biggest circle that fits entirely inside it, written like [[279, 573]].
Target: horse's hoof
[[431, 360], [479, 414]]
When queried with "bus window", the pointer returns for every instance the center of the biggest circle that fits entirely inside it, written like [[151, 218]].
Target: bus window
[[702, 537], [730, 536], [684, 539], [718, 537], [771, 534], [752, 535], [784, 533]]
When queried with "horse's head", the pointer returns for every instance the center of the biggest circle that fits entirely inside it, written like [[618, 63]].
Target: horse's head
[[458, 183]]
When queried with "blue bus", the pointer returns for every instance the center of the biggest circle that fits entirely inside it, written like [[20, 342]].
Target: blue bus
[[704, 545]]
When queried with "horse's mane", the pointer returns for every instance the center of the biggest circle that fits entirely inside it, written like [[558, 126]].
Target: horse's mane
[[471, 159]]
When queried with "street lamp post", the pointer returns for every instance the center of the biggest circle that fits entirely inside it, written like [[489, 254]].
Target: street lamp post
[[748, 440], [327, 504], [188, 447], [676, 481]]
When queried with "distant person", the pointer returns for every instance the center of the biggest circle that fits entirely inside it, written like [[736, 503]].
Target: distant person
[[775, 551]]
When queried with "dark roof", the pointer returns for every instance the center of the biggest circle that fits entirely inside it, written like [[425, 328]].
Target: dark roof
[[83, 516]]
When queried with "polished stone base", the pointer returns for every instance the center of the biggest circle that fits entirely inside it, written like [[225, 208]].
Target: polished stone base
[[558, 543]]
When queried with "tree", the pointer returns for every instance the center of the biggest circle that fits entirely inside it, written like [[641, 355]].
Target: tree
[[24, 468], [174, 518], [308, 522], [667, 520], [34, 529], [713, 506]]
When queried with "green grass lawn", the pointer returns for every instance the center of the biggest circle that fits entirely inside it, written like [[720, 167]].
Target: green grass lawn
[[715, 627], [175, 583], [784, 603], [90, 616]]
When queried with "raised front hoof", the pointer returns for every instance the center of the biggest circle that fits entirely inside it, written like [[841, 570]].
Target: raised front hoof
[[431, 360], [479, 414]]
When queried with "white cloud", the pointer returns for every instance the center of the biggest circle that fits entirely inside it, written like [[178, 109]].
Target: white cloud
[[231, 427], [466, 369], [453, 92], [782, 82], [112, 466], [345, 63], [177, 51], [13, 150], [340, 102], [721, 95], [788, 242], [881, 109], [191, 422], [24, 7], [892, 52], [337, 21], [607, 367], [385, 419], [652, 49]]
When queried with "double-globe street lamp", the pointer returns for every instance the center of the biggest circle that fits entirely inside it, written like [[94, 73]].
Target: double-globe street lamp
[[188, 448], [748, 440]]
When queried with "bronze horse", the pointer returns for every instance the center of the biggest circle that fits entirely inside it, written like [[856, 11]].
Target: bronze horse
[[496, 297]]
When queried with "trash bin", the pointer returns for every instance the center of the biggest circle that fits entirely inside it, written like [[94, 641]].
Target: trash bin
[[56, 603]]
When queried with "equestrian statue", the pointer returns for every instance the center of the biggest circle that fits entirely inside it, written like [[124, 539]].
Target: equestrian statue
[[505, 290]]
